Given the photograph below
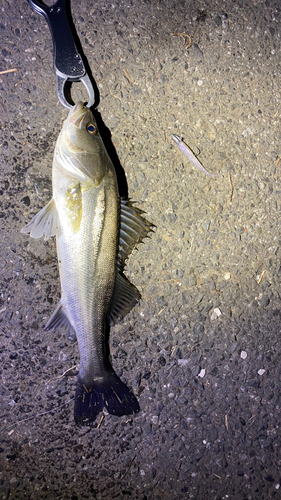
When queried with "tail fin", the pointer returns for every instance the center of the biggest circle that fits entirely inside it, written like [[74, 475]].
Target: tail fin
[[109, 392]]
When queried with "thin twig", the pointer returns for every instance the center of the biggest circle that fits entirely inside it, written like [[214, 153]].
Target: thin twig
[[8, 71], [231, 187], [38, 415], [100, 422], [261, 277], [226, 422], [186, 38], [161, 310], [66, 371], [129, 78], [130, 464]]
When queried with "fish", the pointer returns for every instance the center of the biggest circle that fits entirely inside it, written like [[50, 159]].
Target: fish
[[191, 156], [95, 232]]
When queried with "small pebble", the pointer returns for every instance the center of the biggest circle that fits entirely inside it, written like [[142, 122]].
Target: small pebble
[[201, 374], [243, 354], [261, 371], [227, 276], [215, 314]]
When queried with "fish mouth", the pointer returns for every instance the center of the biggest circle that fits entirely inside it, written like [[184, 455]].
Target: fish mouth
[[78, 114]]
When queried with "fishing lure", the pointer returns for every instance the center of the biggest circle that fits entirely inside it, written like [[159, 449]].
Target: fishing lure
[[191, 156]]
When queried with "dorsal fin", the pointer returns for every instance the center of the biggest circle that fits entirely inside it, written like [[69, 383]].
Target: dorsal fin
[[133, 229], [125, 296]]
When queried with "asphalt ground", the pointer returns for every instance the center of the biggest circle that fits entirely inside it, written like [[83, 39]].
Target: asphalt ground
[[202, 349]]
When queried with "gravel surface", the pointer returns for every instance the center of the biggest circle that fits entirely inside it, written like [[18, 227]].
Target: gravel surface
[[202, 349]]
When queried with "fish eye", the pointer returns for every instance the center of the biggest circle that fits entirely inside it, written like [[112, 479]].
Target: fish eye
[[91, 128]]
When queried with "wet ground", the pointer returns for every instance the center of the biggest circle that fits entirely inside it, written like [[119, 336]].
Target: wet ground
[[202, 349]]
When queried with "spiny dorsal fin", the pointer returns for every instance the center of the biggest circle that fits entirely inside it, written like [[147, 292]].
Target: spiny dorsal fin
[[45, 222], [133, 229], [125, 296]]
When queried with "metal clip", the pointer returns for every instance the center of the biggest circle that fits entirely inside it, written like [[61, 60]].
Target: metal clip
[[68, 63]]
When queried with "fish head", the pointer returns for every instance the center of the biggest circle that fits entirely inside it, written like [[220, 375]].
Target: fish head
[[80, 148], [81, 130]]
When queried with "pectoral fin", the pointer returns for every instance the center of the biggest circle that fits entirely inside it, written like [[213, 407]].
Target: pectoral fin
[[44, 223]]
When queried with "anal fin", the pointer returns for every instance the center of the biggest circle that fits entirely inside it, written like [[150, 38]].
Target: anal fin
[[60, 320]]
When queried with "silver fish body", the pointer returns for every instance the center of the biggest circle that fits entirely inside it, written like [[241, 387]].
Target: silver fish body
[[95, 233]]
